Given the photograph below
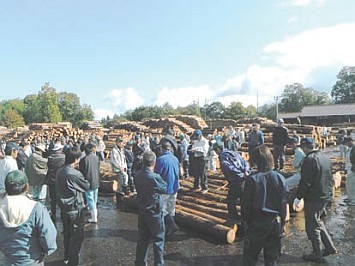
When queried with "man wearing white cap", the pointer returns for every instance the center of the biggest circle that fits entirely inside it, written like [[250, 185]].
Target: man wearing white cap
[[8, 164]]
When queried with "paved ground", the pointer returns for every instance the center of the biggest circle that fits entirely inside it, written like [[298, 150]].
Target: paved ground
[[112, 241]]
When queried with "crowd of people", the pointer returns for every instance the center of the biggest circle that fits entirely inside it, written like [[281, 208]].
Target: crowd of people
[[151, 168]]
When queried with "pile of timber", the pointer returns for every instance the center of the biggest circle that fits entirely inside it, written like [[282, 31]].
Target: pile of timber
[[193, 121], [90, 125], [170, 122], [48, 126], [132, 126]]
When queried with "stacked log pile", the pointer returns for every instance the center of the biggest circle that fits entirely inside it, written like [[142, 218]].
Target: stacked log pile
[[132, 126], [195, 122], [175, 124]]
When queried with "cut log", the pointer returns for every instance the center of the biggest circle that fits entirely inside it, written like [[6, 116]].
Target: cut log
[[222, 214], [220, 233]]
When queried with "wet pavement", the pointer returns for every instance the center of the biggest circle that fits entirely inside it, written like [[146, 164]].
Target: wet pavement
[[113, 240]]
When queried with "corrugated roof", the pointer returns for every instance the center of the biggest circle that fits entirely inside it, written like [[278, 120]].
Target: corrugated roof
[[289, 115], [328, 110]]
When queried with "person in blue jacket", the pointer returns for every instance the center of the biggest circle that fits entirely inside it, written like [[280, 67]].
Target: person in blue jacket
[[168, 168], [27, 232], [151, 228], [234, 169]]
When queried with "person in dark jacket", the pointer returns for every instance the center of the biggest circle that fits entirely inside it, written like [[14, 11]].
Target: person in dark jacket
[[70, 185], [150, 187], [130, 160], [27, 233], [263, 210], [234, 169], [280, 139], [90, 168], [22, 155], [256, 138], [55, 161], [168, 168], [316, 189]]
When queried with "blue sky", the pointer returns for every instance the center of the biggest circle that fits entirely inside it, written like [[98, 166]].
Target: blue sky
[[120, 54]]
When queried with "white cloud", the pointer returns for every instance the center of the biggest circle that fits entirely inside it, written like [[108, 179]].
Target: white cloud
[[103, 113], [125, 99], [292, 19], [294, 59], [184, 95], [305, 2]]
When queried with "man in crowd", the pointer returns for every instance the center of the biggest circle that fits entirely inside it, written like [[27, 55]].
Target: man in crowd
[[198, 154], [316, 188], [36, 171], [90, 168], [256, 138], [27, 233], [128, 152], [263, 210], [8, 164], [168, 168], [70, 186], [184, 155], [234, 169], [119, 167], [150, 187], [22, 155], [280, 140], [298, 158], [55, 161]]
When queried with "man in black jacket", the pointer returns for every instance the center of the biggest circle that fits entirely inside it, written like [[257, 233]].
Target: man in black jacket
[[90, 168], [70, 185], [316, 188], [55, 161], [280, 139]]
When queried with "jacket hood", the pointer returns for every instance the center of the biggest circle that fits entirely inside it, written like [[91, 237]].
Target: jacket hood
[[15, 210]]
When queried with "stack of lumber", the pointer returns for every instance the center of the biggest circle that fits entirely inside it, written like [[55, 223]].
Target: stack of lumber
[[171, 122], [44, 126], [132, 126], [92, 125], [195, 122]]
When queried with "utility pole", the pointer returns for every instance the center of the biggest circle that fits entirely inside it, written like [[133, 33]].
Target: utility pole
[[276, 98]]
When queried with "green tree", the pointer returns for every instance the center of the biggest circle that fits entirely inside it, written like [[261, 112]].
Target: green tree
[[214, 110], [296, 96], [344, 89], [48, 102], [32, 112], [235, 110], [12, 119], [268, 111], [251, 111]]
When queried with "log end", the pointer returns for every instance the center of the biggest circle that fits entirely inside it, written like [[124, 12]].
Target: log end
[[231, 236]]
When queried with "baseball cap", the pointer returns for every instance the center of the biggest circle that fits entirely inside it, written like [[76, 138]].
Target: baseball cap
[[11, 146], [197, 133], [294, 140], [15, 178], [307, 141]]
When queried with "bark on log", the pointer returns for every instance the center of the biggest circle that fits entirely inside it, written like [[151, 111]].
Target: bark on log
[[220, 233]]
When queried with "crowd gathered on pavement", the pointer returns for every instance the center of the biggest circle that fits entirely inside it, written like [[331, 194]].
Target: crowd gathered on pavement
[[68, 170]]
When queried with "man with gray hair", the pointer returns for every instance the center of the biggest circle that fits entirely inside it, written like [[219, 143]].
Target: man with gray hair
[[150, 187]]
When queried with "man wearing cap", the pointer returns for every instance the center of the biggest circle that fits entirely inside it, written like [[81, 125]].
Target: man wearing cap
[[280, 139], [119, 167], [70, 187], [316, 188], [55, 161], [298, 158], [256, 138], [150, 187], [234, 169], [168, 167], [198, 152], [8, 164], [36, 171], [27, 233], [168, 135]]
